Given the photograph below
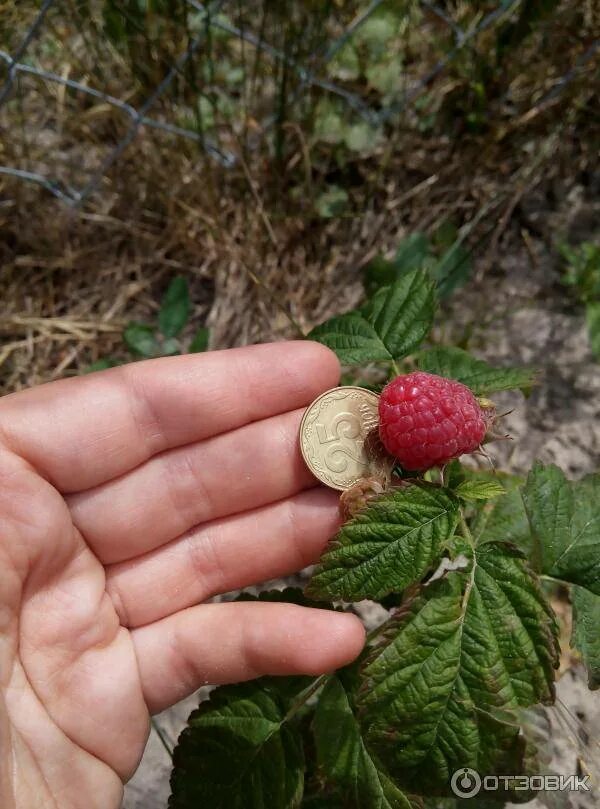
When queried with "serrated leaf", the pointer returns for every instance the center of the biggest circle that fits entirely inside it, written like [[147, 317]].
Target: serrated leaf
[[505, 520], [474, 489], [565, 523], [174, 308], [343, 758], [239, 752], [476, 374], [402, 314], [390, 326], [141, 339], [444, 688], [200, 340], [289, 595], [353, 339], [586, 632], [592, 317], [387, 546]]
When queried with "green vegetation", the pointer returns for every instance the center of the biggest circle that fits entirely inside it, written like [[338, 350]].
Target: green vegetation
[[582, 274], [444, 681], [164, 339]]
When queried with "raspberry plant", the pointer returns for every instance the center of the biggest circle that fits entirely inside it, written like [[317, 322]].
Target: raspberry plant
[[460, 561]]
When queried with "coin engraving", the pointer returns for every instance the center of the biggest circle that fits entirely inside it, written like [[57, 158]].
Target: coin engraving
[[333, 437]]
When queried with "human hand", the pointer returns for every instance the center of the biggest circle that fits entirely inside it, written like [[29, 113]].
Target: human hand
[[128, 497]]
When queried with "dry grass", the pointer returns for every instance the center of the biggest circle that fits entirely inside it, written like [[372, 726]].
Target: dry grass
[[260, 263]]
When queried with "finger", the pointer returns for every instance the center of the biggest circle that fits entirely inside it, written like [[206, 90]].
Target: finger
[[224, 555], [254, 465], [224, 643], [82, 432]]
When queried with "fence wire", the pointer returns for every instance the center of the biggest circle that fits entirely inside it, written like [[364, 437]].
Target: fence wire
[[309, 74]]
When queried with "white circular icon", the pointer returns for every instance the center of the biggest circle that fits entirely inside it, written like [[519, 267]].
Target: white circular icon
[[465, 783]]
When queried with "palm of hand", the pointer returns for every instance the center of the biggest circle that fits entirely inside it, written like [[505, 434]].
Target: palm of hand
[[127, 498]]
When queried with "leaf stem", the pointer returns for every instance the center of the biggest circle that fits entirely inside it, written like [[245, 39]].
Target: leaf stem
[[465, 529], [305, 695], [395, 367]]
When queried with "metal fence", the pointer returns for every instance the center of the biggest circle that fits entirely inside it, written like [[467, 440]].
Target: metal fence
[[144, 116]]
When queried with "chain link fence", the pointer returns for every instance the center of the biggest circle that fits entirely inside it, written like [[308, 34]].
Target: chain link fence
[[55, 70]]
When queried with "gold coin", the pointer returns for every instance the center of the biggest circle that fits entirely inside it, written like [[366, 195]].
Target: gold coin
[[339, 438]]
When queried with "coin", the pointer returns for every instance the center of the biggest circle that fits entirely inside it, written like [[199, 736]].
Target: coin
[[339, 438]]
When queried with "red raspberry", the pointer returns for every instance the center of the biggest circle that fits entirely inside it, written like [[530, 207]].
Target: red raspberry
[[426, 420]]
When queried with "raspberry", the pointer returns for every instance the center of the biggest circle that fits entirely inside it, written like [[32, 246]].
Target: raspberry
[[426, 420]]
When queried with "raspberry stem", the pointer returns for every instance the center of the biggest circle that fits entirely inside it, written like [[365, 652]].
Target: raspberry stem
[[465, 529]]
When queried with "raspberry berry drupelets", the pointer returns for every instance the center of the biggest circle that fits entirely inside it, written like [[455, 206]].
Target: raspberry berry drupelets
[[426, 420]]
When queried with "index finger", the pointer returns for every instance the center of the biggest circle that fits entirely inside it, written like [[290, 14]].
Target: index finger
[[82, 432]]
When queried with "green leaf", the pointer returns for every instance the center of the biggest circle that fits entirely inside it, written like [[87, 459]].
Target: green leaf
[[239, 752], [289, 595], [452, 270], [402, 314], [174, 308], [505, 520], [586, 633], [353, 339], [332, 203], [200, 341], [387, 546], [412, 252], [377, 31], [582, 270], [410, 255], [362, 137], [345, 64], [386, 77], [444, 688], [474, 489], [330, 125], [390, 326], [141, 339], [102, 365], [476, 374], [565, 524], [343, 758], [592, 316], [170, 347], [379, 272]]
